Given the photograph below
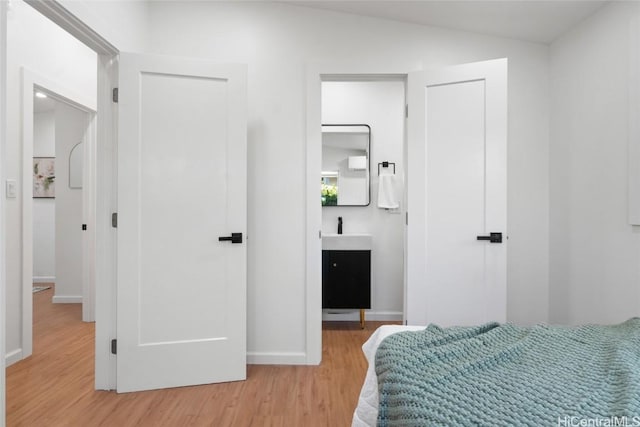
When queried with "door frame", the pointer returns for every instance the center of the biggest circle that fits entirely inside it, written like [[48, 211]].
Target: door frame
[[32, 82], [316, 74], [3, 143], [105, 183]]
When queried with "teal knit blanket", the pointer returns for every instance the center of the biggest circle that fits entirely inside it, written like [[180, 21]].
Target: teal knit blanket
[[506, 375]]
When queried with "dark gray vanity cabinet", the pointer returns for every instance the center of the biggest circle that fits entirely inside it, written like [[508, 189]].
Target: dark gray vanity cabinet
[[346, 279]]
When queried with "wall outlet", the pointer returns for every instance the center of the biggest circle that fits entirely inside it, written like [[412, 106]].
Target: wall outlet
[[11, 189]]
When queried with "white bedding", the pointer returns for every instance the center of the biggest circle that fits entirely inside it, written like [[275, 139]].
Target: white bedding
[[366, 413]]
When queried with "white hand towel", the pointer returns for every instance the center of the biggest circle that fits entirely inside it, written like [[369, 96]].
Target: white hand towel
[[388, 191]]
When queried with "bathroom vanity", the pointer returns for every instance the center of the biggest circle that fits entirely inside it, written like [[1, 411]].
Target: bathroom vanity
[[346, 272]]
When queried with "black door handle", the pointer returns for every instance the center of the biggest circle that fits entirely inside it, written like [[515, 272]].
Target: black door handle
[[492, 237], [234, 238]]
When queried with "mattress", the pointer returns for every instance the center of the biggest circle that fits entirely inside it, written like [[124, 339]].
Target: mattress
[[366, 413]]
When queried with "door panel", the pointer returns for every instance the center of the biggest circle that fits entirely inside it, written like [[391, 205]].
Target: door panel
[[456, 205], [171, 146], [181, 185], [456, 192]]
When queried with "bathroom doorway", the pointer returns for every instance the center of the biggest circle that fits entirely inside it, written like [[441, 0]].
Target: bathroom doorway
[[376, 104]]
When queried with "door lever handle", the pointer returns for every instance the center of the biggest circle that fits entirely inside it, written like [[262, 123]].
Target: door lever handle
[[492, 237], [234, 238]]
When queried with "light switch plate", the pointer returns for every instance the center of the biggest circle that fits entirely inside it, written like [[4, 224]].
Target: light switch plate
[[11, 189]]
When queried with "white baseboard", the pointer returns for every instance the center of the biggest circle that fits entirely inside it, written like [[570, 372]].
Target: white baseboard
[[67, 300], [266, 358], [354, 315], [44, 279], [13, 357]]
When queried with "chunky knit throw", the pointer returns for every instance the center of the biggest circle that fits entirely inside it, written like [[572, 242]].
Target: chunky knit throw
[[506, 375]]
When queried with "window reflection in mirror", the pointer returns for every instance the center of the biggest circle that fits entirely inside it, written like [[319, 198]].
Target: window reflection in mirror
[[345, 165]]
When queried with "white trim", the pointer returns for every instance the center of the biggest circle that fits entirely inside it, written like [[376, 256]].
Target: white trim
[[267, 358], [353, 316], [89, 218], [27, 212], [44, 279], [106, 184], [57, 13], [73, 299], [633, 158], [3, 144], [106, 236], [13, 357], [316, 73], [30, 82], [313, 220]]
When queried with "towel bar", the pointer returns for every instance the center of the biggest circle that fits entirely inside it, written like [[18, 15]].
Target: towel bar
[[386, 165]]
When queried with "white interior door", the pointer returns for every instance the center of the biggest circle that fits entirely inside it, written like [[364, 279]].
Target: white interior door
[[457, 192], [181, 316]]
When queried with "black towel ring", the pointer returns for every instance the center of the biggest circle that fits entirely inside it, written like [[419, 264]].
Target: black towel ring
[[386, 165]]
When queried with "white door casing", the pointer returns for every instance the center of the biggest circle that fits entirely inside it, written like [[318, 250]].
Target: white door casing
[[181, 303], [456, 191], [104, 276], [89, 215]]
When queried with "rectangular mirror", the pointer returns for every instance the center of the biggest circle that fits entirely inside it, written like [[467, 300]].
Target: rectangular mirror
[[345, 165]]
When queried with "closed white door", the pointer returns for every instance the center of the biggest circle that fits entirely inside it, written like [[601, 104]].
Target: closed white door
[[457, 195], [181, 317]]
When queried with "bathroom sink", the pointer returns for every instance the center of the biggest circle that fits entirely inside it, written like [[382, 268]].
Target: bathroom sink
[[346, 242]]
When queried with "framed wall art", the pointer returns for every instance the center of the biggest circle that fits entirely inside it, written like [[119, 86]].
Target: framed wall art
[[44, 177]]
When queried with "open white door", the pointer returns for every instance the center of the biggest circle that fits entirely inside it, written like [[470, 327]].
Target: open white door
[[181, 314], [456, 194]]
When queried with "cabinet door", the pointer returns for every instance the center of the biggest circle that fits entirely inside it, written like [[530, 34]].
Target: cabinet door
[[346, 279]]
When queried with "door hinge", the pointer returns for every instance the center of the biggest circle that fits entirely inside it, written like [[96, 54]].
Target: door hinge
[[114, 346], [114, 220], [406, 110], [84, 227], [114, 95], [406, 218]]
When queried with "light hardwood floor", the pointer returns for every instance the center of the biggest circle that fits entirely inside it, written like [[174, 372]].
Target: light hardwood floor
[[54, 387]]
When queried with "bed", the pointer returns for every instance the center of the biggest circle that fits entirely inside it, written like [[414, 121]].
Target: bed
[[501, 375]]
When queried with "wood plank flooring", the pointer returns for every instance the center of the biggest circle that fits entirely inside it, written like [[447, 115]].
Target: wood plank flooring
[[54, 387]]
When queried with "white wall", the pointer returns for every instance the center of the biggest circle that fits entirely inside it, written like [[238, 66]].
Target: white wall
[[277, 41], [594, 252], [71, 124], [123, 23], [379, 104], [36, 43], [44, 134], [44, 210]]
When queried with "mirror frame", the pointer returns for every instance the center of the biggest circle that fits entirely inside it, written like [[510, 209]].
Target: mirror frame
[[368, 160]]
